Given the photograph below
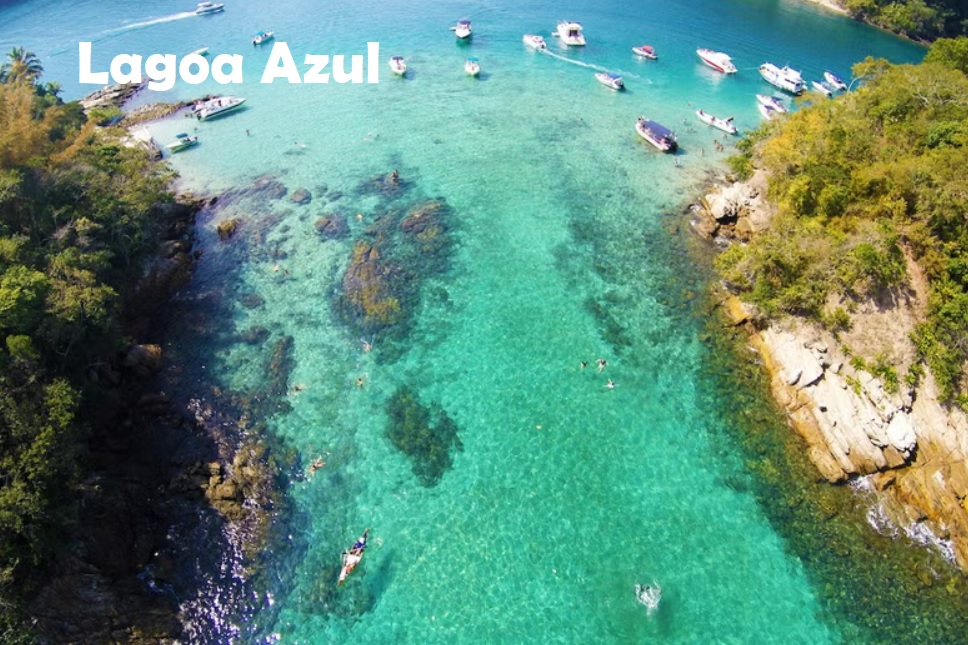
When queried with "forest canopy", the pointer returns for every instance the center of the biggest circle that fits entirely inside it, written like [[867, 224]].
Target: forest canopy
[[918, 19], [75, 217], [860, 183]]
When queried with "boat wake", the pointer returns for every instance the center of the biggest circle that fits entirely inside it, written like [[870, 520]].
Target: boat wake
[[597, 68], [154, 21]]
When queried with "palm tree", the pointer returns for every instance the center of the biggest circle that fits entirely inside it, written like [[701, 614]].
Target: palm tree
[[22, 66]]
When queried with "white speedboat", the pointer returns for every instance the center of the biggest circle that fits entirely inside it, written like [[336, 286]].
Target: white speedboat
[[785, 78], [463, 29], [534, 42], [570, 33], [719, 61], [823, 88], [768, 111], [182, 141], [472, 66], [610, 80], [645, 51], [398, 66], [658, 135], [649, 596], [208, 7], [262, 37], [217, 106], [726, 125], [201, 51], [772, 102], [834, 81]]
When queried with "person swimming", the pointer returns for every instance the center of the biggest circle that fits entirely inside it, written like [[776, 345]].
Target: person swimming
[[601, 364]]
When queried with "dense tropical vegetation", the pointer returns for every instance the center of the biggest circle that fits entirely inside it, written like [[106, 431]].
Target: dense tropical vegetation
[[918, 19], [861, 183], [74, 220]]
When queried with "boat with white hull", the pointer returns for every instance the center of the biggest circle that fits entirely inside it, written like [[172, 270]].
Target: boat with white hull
[[205, 8], [610, 80], [658, 135], [726, 125], [398, 65], [645, 51], [785, 78], [570, 33], [472, 66], [534, 41], [218, 106], [719, 61], [463, 29], [823, 88], [834, 81]]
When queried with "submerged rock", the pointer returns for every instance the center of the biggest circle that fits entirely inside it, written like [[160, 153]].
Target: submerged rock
[[368, 294], [413, 431], [301, 197], [227, 228], [332, 227]]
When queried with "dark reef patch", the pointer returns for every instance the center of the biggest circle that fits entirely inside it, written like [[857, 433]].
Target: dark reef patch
[[427, 443]]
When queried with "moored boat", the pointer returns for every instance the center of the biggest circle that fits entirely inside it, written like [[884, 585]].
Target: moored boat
[[570, 33], [645, 51], [352, 557], [182, 140], [834, 81], [472, 66], [768, 111], [217, 106], [649, 595], [785, 78], [398, 65], [726, 125], [534, 41], [658, 135], [610, 80], [823, 88], [771, 101], [719, 61], [262, 37], [208, 7], [463, 29], [201, 51]]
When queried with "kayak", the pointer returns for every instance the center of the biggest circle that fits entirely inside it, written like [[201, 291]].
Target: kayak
[[352, 557]]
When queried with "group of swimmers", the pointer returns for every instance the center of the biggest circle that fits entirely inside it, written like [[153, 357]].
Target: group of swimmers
[[600, 364]]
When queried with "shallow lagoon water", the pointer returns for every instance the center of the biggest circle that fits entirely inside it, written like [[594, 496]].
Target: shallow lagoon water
[[565, 244]]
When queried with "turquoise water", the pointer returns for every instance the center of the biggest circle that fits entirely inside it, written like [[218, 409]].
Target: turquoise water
[[564, 494]]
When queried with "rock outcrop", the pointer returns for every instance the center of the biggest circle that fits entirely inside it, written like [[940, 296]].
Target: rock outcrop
[[911, 445], [736, 211]]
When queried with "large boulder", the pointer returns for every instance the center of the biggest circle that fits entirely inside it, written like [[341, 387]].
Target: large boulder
[[144, 359]]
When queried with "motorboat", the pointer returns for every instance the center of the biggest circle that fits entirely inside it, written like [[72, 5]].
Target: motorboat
[[463, 29], [823, 88], [472, 66], [658, 135], [726, 125], [534, 41], [182, 141], [645, 51], [398, 66], [771, 101], [262, 37], [570, 33], [719, 61], [352, 557], [201, 51], [610, 80], [204, 8], [834, 81], [785, 78], [769, 111], [218, 106]]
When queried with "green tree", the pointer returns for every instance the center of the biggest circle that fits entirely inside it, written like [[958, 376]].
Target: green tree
[[951, 52], [22, 66]]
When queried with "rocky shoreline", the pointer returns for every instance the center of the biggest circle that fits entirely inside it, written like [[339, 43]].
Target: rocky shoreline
[[909, 446]]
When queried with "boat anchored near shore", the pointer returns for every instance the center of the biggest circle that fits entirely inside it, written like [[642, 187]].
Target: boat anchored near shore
[[218, 106], [786, 78], [658, 135], [398, 65], [462, 29], [726, 125]]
